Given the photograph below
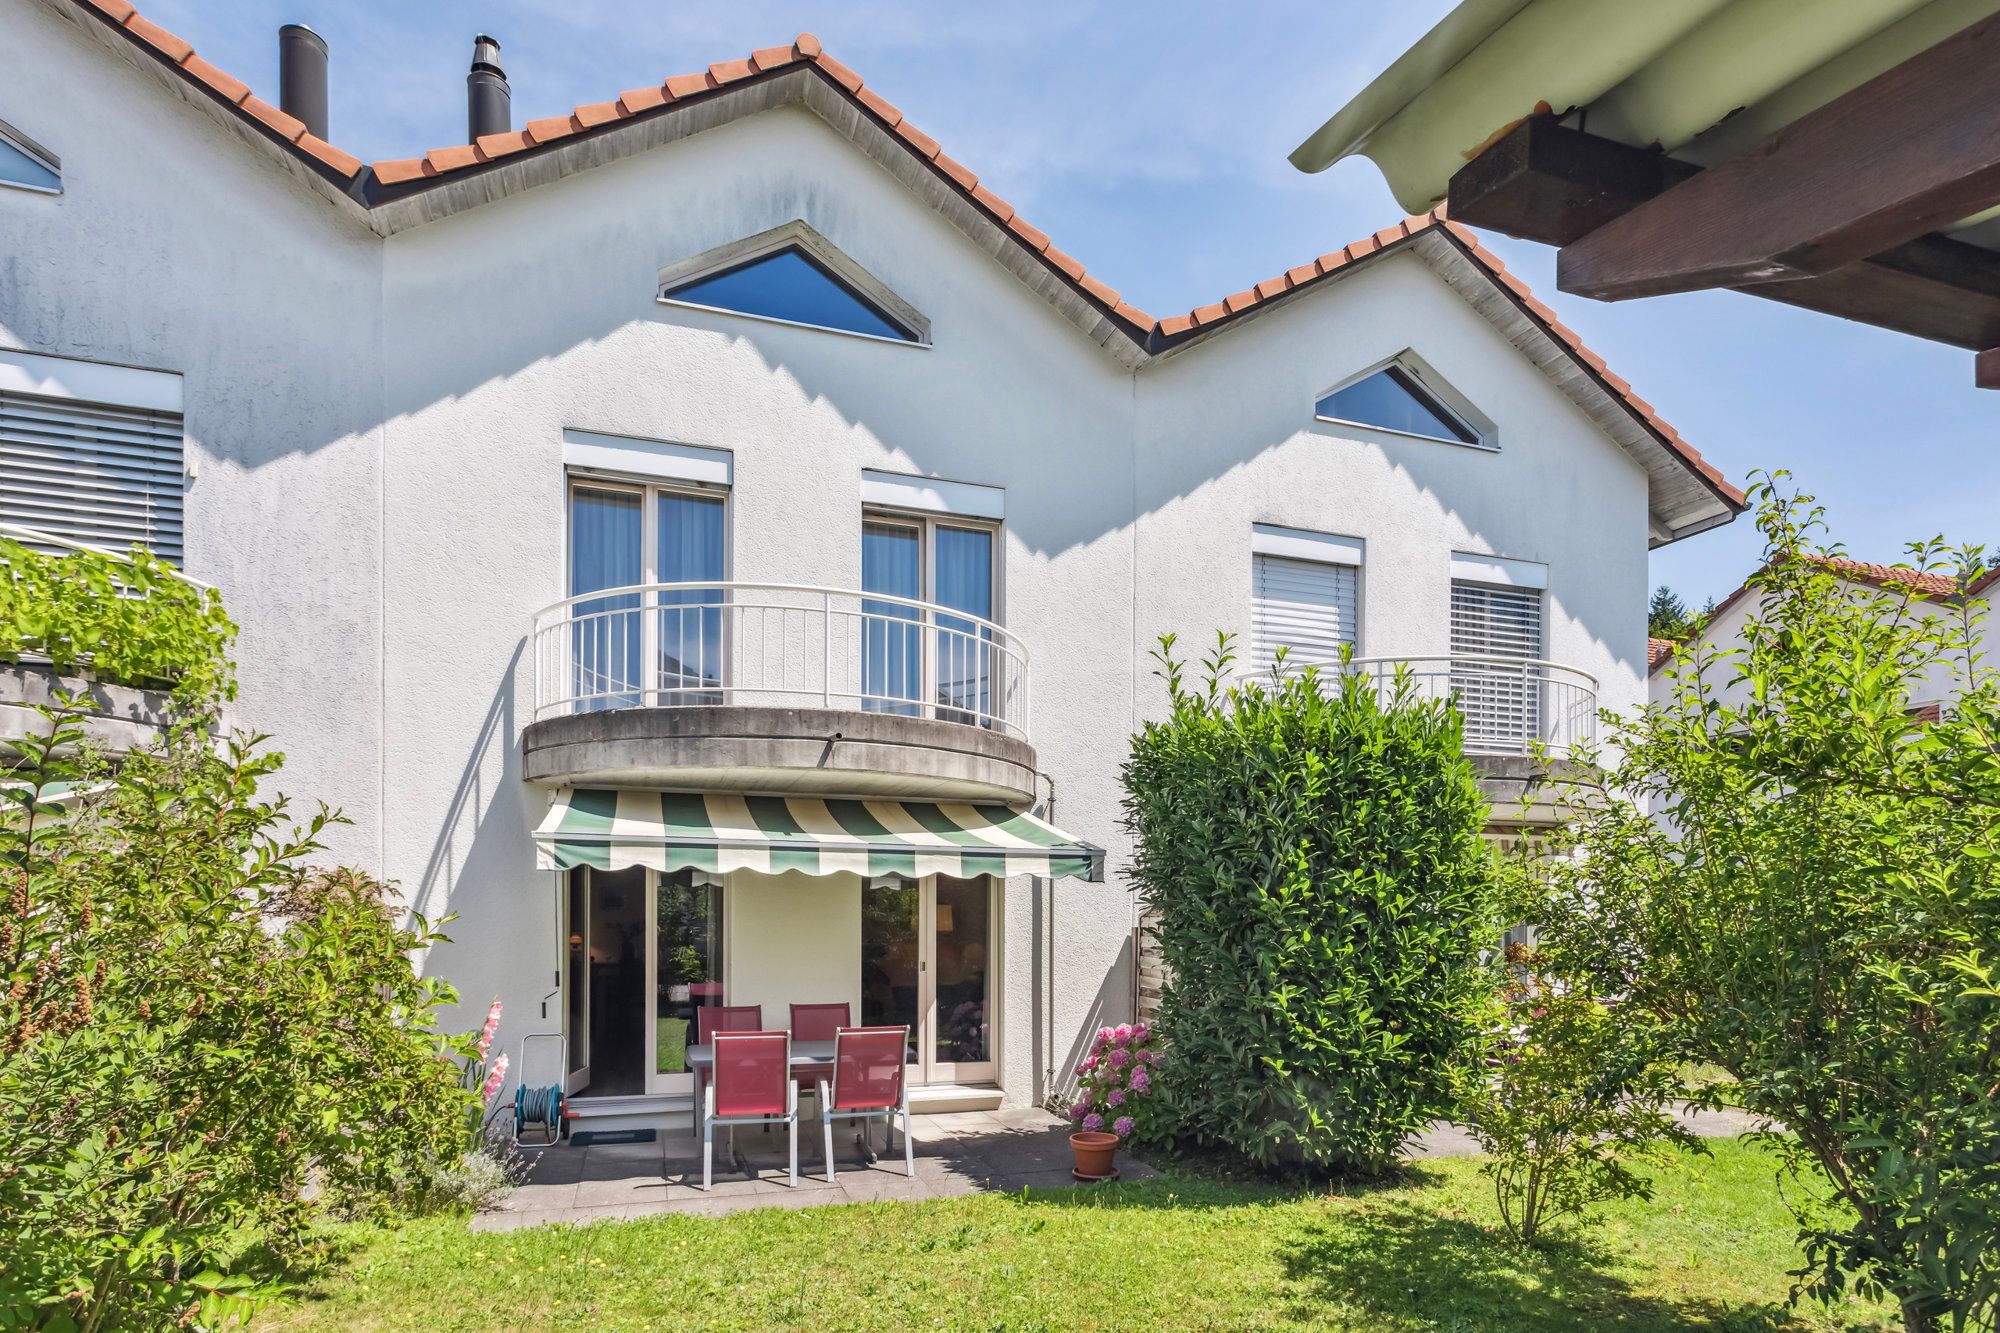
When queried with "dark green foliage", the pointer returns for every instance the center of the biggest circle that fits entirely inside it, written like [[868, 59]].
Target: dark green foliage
[[1312, 850]]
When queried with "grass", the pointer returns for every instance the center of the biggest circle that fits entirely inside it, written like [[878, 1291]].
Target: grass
[[1420, 1252]]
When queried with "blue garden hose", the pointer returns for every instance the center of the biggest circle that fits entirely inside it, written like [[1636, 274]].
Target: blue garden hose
[[539, 1106]]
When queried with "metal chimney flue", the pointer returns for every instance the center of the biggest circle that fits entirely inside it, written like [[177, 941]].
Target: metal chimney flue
[[302, 76], [489, 102]]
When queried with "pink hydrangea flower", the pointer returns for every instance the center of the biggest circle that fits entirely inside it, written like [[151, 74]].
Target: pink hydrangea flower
[[1123, 1032], [1089, 1063], [1141, 1080], [1117, 1097], [1119, 1058], [1080, 1109], [1140, 1032], [1092, 1123], [494, 1078], [492, 1026], [1122, 1126]]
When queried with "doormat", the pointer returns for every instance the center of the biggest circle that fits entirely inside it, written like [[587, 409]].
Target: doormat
[[590, 1137]]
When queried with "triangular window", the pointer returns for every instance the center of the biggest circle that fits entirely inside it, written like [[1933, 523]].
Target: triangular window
[[791, 285], [24, 164], [1396, 398]]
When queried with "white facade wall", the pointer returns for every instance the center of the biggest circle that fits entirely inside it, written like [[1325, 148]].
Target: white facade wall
[[378, 432]]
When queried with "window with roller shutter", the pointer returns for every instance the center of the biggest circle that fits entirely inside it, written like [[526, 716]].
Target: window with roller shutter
[[1502, 701], [83, 470], [1307, 607]]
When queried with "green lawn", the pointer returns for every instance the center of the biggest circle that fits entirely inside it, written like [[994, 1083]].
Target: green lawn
[[1179, 1252]]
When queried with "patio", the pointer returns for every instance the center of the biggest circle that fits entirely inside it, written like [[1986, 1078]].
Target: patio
[[966, 1153]]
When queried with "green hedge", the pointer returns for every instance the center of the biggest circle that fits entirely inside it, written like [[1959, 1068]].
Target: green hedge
[[128, 620], [1323, 898]]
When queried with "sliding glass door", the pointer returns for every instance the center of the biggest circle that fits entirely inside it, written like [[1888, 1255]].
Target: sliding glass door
[[927, 963]]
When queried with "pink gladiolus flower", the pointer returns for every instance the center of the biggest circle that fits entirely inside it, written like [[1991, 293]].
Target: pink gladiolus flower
[[1092, 1123], [1122, 1126], [492, 1026], [494, 1078]]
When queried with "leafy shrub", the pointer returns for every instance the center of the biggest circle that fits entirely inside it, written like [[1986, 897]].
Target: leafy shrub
[[129, 620], [1115, 1082], [1312, 850], [204, 1046], [1569, 1100], [1818, 910]]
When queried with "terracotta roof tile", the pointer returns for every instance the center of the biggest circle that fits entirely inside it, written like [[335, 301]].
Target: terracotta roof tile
[[807, 48], [993, 203], [232, 89], [838, 72], [918, 140], [635, 100], [502, 144], [891, 114], [550, 128], [345, 163], [1658, 651], [151, 33], [400, 170], [281, 123]]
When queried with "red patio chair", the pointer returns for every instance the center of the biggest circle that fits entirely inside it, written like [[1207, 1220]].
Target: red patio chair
[[710, 1019], [752, 1086], [817, 1022], [868, 1083]]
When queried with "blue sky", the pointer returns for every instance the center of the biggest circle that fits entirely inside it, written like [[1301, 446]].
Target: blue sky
[[1150, 141]]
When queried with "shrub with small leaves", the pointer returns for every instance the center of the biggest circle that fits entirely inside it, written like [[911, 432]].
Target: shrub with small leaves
[[1568, 1101]]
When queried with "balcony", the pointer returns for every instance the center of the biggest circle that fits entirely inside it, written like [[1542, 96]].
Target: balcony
[[1524, 717], [779, 688]]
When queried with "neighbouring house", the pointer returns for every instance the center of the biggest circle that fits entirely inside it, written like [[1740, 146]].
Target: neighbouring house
[[713, 546], [1928, 592]]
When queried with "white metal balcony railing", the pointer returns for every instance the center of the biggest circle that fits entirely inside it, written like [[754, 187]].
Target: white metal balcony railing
[[664, 645], [1510, 703]]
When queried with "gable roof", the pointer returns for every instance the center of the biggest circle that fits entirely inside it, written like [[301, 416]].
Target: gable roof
[[1658, 651], [408, 191]]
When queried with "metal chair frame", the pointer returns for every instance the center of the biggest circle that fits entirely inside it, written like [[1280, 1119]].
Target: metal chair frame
[[709, 1120], [886, 1114]]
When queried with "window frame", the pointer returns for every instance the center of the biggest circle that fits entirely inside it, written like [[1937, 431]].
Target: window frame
[[795, 235], [1308, 546], [35, 153], [1437, 394], [927, 523], [649, 490]]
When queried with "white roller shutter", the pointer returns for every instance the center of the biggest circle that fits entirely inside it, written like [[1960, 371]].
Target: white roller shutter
[[1304, 606], [1502, 702], [90, 472]]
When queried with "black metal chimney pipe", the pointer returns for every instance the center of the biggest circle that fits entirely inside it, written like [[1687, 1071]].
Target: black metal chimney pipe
[[489, 102], [302, 76]]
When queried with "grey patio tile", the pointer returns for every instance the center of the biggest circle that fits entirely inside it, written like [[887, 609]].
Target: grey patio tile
[[1026, 1117], [554, 1166], [877, 1186], [627, 1190], [534, 1198]]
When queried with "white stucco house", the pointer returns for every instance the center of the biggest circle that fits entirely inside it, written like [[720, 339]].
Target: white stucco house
[[712, 545], [1912, 592]]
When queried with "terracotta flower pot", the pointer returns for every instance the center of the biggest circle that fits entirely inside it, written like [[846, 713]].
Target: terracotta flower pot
[[1093, 1155]]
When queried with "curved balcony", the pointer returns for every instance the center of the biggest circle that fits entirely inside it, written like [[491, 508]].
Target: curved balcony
[[1512, 705], [779, 688]]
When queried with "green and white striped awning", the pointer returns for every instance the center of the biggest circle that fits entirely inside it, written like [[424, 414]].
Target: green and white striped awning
[[613, 829]]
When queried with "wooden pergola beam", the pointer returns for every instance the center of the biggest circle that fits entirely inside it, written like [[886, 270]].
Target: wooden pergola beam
[[1913, 149], [1546, 182]]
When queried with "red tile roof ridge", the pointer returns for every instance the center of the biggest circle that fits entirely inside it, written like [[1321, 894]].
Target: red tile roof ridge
[[1658, 651], [807, 50]]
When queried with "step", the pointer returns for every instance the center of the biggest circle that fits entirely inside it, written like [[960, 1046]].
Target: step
[[945, 1098]]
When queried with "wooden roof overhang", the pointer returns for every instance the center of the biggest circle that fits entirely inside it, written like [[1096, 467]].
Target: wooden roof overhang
[[1864, 184]]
